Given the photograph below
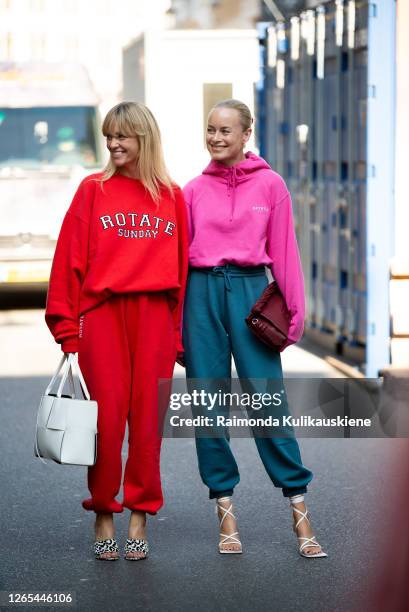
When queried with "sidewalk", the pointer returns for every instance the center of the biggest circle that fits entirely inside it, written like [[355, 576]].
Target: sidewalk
[[29, 350], [47, 537]]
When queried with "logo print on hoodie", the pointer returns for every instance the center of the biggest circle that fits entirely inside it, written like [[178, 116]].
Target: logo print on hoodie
[[147, 225], [261, 208]]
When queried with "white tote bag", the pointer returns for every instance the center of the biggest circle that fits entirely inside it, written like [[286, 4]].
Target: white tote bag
[[67, 426]]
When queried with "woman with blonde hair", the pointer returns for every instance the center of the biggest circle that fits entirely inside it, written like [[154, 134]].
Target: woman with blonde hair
[[240, 218], [115, 296]]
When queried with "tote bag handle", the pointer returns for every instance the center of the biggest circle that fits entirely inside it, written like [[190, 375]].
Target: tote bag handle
[[69, 366]]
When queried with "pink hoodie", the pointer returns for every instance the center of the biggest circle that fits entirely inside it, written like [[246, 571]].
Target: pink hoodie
[[242, 215]]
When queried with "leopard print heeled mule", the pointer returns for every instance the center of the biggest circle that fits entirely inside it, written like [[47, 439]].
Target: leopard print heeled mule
[[101, 547], [136, 546]]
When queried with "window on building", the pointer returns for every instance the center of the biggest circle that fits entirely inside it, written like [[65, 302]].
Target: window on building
[[37, 6], [3, 50], [213, 93], [71, 6], [9, 46], [38, 46], [71, 48]]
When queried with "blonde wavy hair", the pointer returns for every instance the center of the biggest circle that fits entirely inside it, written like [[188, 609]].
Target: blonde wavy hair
[[135, 119]]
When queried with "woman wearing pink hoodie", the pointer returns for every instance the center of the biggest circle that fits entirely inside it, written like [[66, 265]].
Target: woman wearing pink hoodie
[[240, 219]]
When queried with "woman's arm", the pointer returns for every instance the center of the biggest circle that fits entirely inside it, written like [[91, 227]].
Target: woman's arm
[[188, 195], [67, 275], [286, 267], [183, 245]]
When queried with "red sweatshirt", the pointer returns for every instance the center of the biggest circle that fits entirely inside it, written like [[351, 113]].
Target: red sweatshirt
[[115, 239]]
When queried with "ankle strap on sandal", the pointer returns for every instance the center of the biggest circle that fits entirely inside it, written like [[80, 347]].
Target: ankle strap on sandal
[[296, 499], [225, 511]]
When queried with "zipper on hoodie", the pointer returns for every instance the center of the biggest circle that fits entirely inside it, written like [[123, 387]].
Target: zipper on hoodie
[[231, 187], [231, 202], [252, 164]]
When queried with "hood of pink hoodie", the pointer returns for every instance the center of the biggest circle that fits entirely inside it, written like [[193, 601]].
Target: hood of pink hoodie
[[239, 173]]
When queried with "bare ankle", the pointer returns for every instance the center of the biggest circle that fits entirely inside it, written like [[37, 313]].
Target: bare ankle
[[104, 526], [138, 517], [137, 524]]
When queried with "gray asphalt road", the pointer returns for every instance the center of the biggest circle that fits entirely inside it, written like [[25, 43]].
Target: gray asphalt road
[[46, 536]]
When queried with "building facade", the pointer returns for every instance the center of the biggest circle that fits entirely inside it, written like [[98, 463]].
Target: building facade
[[213, 14], [92, 33]]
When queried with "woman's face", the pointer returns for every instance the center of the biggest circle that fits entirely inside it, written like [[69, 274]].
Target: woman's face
[[124, 150], [225, 139]]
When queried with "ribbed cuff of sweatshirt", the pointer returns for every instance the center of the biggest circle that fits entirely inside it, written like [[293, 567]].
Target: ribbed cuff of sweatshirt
[[70, 345]]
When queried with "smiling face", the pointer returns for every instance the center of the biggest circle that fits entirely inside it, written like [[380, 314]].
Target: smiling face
[[124, 151], [225, 137]]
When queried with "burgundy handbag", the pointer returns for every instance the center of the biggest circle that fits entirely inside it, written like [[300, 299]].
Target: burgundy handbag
[[269, 318]]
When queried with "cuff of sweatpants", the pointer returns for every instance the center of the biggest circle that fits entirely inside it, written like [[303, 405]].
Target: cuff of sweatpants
[[216, 494], [102, 507], [292, 492], [70, 345]]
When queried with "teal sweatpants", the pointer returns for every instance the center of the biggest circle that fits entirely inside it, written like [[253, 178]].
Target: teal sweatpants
[[216, 304]]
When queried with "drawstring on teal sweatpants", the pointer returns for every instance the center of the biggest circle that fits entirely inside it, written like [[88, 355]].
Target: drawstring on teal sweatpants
[[217, 301]]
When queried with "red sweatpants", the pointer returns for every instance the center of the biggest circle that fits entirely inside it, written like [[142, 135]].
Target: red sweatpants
[[126, 344]]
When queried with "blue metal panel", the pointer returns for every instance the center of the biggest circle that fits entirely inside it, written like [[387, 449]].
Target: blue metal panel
[[380, 146], [362, 321], [261, 90], [360, 78], [342, 206]]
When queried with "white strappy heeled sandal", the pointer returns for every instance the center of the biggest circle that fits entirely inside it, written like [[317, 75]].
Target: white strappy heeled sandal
[[227, 539], [304, 541]]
